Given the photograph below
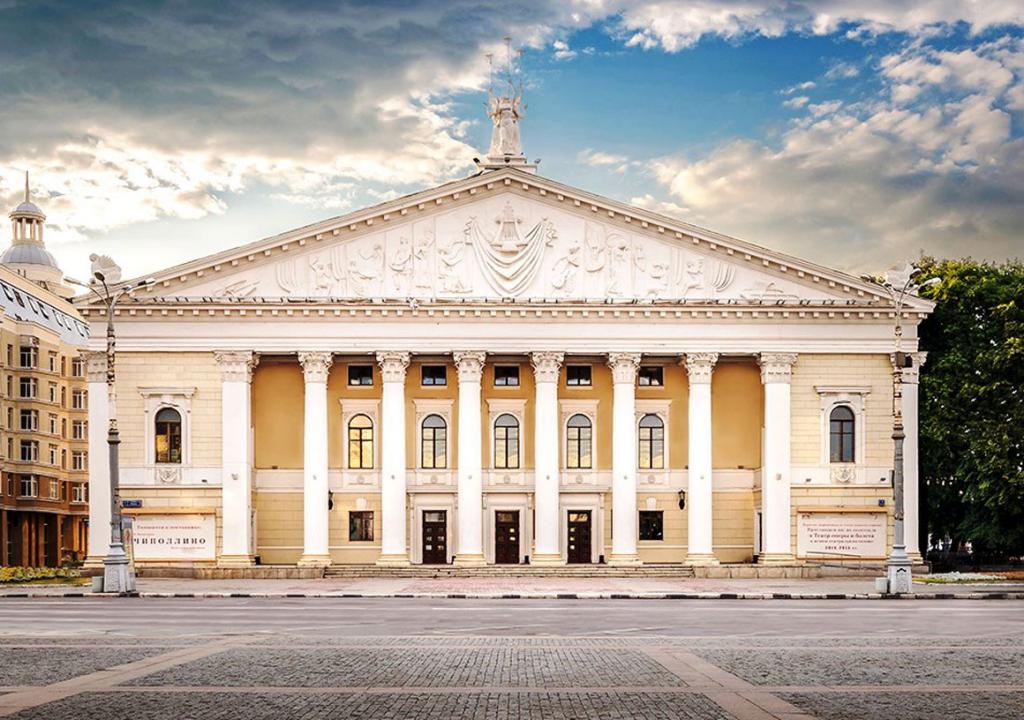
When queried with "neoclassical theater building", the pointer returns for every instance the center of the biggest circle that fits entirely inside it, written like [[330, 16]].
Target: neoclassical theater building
[[503, 369]]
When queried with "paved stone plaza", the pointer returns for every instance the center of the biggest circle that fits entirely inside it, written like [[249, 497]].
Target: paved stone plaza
[[337, 658]]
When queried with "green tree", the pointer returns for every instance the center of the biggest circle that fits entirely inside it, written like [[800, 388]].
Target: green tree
[[972, 405]]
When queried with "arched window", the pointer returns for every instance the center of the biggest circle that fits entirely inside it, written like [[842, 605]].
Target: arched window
[[360, 443], [652, 443], [168, 435], [434, 450], [506, 442], [841, 432], [579, 442]]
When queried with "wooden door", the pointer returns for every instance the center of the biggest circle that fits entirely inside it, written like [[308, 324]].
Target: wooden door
[[506, 537], [435, 537], [578, 550]]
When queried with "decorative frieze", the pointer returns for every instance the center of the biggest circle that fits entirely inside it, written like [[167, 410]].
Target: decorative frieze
[[235, 365], [624, 366], [776, 367], [316, 366], [699, 366], [393, 365], [546, 366], [470, 365]]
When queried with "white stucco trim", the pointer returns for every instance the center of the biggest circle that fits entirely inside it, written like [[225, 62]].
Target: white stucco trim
[[422, 408], [350, 407], [155, 399]]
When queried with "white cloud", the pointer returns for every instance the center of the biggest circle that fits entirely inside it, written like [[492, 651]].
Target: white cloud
[[842, 71], [562, 51], [797, 102], [800, 87]]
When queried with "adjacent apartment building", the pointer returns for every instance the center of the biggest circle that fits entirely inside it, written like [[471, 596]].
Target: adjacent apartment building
[[44, 459]]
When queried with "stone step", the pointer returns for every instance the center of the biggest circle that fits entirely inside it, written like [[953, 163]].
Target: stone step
[[507, 571]]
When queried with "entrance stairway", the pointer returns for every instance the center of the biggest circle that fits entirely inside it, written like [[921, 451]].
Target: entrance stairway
[[508, 571]]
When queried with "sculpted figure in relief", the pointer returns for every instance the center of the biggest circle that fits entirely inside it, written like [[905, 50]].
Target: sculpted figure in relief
[[286, 277], [239, 289], [722, 277], [323, 280], [449, 269], [401, 266], [597, 249], [693, 277], [766, 290], [618, 264], [423, 275], [365, 270], [566, 268]]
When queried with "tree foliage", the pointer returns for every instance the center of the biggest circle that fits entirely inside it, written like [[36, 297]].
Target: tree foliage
[[972, 405]]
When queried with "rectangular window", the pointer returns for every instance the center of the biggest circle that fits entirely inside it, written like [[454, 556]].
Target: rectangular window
[[77, 367], [29, 356], [78, 460], [79, 430], [506, 376], [652, 525], [53, 361], [360, 526], [30, 420], [29, 451], [54, 488], [28, 388], [53, 454], [577, 375], [78, 400], [53, 392], [360, 375], [29, 486], [434, 375], [53, 424], [78, 493], [651, 376]]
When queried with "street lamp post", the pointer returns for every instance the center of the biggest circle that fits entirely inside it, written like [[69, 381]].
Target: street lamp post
[[117, 574], [899, 284]]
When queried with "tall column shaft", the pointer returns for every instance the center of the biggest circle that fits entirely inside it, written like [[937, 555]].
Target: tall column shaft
[[547, 524], [469, 550], [99, 468], [236, 457], [699, 368], [624, 514], [911, 458], [776, 371], [394, 549], [315, 368]]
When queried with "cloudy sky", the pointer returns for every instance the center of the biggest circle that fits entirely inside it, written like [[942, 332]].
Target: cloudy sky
[[850, 132]]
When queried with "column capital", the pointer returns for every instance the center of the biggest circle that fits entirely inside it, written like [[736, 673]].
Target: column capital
[[912, 374], [624, 366], [393, 364], [546, 365], [236, 365], [470, 364], [699, 366], [776, 367], [95, 365], [316, 365]]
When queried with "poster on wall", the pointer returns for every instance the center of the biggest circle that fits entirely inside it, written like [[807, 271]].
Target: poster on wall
[[841, 535], [174, 537]]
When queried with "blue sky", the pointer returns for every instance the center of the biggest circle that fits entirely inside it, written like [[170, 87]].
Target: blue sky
[[854, 133]]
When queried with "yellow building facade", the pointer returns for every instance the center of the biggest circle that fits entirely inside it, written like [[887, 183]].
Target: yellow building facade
[[506, 369]]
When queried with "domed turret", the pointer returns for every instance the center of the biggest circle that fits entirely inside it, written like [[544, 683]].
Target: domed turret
[[27, 254]]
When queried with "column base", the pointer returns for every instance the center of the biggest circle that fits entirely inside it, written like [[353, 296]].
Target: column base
[[776, 559], [314, 561], [550, 559], [700, 559], [393, 560], [624, 560], [915, 558], [472, 560], [236, 561]]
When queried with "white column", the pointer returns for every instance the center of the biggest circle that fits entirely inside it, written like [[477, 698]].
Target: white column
[[911, 377], [236, 457], [394, 550], [99, 466], [624, 517], [315, 368], [547, 519], [699, 368], [469, 549], [777, 547]]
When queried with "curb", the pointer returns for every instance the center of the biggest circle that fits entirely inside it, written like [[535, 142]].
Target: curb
[[535, 596]]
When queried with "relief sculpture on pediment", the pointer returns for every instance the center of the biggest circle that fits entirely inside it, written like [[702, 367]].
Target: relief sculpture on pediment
[[365, 271]]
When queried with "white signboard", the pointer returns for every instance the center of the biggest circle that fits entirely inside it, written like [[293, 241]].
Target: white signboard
[[838, 535], [174, 537]]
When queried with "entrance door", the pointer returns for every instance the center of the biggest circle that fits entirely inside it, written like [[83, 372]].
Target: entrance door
[[506, 537], [435, 537], [579, 537]]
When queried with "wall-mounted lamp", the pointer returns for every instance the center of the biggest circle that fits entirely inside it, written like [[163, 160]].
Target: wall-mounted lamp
[[682, 499]]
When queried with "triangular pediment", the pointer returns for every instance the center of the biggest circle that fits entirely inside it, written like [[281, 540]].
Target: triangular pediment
[[508, 235]]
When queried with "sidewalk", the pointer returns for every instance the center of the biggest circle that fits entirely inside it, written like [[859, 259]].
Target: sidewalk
[[540, 588]]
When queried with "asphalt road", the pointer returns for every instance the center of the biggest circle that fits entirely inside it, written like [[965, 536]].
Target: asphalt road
[[313, 658]]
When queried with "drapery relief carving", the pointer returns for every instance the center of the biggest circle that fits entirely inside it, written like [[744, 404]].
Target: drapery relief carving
[[506, 247]]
